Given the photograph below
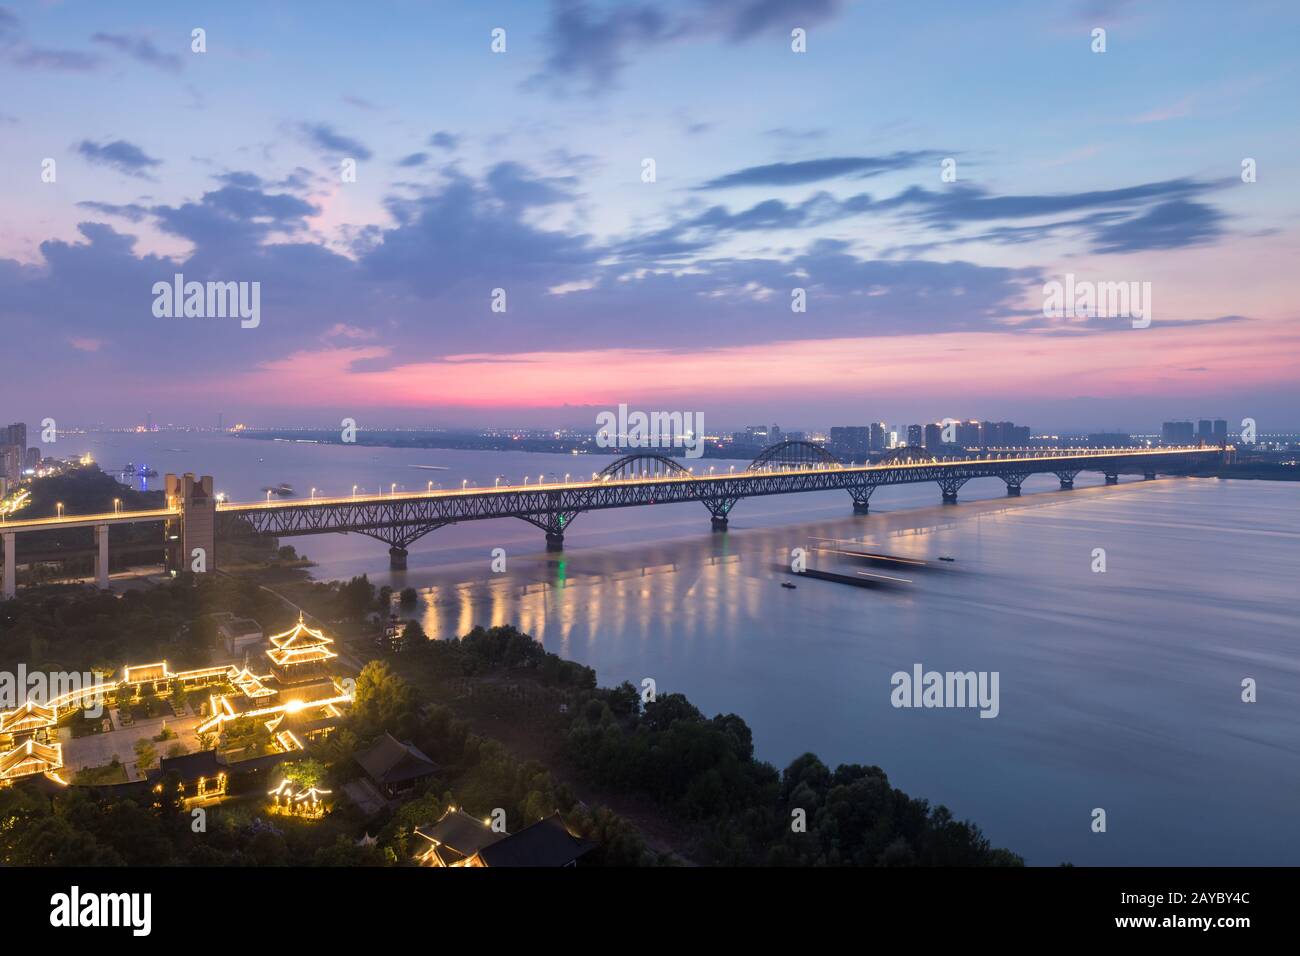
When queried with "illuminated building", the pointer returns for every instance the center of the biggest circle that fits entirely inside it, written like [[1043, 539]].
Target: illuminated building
[[202, 775], [458, 839], [454, 839], [27, 743], [547, 842], [299, 699], [30, 757]]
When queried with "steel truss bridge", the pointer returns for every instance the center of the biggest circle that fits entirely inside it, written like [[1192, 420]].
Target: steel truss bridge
[[650, 479]]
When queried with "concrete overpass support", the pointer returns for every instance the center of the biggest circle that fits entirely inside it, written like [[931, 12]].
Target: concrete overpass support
[[397, 558], [101, 556], [11, 568]]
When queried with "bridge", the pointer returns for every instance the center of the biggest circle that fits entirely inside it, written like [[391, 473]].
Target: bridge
[[193, 517]]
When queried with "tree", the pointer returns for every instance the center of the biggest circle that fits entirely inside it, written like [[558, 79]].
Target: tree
[[413, 635], [383, 700], [305, 773], [409, 596], [145, 753]]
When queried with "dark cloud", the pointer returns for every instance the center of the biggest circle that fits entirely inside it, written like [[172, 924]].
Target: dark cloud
[[415, 159], [1170, 225], [140, 48], [120, 155], [444, 140], [594, 45], [817, 170], [325, 137], [513, 184], [13, 49], [68, 61], [133, 212], [241, 178], [234, 215]]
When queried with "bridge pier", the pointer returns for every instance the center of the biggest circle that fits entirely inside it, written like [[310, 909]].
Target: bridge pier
[[1013, 490], [1112, 479], [861, 507], [718, 522], [555, 541], [950, 487], [101, 556], [11, 569], [1067, 479], [397, 558], [1149, 476], [194, 529]]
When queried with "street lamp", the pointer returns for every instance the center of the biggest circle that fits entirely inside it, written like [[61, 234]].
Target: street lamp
[[117, 506], [392, 489], [313, 494], [268, 496], [430, 488], [354, 491], [59, 505], [463, 483]]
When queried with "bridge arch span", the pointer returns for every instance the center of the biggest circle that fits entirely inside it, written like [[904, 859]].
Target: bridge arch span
[[643, 465], [793, 453]]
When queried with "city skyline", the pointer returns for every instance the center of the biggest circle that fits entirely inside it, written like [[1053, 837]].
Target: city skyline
[[522, 171]]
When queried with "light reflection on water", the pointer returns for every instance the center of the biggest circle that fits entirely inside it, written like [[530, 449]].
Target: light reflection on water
[[1118, 690]]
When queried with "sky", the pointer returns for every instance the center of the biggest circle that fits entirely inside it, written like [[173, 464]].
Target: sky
[[916, 174]]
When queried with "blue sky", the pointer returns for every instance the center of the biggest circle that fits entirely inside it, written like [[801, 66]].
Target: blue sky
[[522, 171]]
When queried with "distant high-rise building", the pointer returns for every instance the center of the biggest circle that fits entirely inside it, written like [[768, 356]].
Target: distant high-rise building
[[1205, 429], [933, 435], [848, 441], [877, 436], [11, 463], [15, 434], [915, 435], [774, 434], [970, 434], [1177, 433], [33, 460], [1220, 431]]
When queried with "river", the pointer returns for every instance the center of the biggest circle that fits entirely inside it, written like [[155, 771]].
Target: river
[[1119, 690]]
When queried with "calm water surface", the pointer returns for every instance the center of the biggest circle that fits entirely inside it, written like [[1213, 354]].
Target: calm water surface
[[1119, 690]]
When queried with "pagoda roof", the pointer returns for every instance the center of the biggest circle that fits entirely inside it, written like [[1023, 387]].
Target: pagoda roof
[[299, 655], [250, 684], [30, 757], [390, 761], [459, 832], [30, 716], [299, 636], [547, 842]]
